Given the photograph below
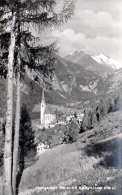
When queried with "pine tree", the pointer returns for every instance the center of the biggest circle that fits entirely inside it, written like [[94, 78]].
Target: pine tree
[[17, 14], [45, 68]]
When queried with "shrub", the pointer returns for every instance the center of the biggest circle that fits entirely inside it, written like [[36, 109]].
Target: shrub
[[98, 110], [87, 120], [71, 132]]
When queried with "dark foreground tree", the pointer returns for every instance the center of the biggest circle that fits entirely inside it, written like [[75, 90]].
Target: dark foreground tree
[[17, 14], [27, 146]]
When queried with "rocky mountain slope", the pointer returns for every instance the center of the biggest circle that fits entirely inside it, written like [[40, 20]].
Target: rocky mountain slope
[[102, 59], [115, 81], [89, 63], [73, 83], [96, 151]]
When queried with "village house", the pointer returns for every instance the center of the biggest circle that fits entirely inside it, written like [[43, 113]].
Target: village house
[[41, 148]]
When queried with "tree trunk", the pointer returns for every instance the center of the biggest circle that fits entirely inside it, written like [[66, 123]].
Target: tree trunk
[[7, 188], [16, 135]]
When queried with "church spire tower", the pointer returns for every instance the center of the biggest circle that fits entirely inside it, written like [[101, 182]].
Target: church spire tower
[[42, 109]]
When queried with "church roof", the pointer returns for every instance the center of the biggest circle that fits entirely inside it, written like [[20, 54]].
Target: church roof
[[48, 110]]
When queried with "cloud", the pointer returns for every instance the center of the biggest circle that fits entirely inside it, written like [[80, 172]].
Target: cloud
[[96, 27], [110, 6], [95, 24], [70, 41]]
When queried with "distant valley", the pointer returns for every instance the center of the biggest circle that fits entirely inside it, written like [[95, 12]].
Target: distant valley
[[78, 78]]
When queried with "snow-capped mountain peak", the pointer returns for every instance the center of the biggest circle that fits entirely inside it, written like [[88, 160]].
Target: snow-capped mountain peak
[[102, 59]]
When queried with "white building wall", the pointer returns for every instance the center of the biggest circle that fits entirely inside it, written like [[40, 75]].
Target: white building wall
[[49, 118]]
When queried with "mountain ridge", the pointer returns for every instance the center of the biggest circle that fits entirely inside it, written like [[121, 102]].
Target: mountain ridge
[[102, 59], [72, 85]]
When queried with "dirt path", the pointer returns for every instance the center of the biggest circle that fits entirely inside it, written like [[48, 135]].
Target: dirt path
[[111, 138]]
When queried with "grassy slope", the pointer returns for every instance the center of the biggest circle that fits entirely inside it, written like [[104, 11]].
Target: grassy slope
[[88, 161]]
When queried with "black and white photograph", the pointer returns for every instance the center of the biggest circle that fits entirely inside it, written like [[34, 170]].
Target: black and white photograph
[[60, 97]]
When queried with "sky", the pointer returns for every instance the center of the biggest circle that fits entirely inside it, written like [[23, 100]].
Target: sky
[[95, 27]]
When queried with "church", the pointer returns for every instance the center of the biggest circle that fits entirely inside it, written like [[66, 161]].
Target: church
[[47, 116]]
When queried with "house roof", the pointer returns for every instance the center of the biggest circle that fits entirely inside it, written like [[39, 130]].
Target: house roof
[[49, 110]]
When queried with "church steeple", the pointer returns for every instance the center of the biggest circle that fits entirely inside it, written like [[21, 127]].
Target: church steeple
[[43, 97], [42, 109]]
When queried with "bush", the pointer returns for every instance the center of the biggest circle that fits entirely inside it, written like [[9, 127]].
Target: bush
[[71, 132], [97, 111], [52, 137], [88, 120]]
